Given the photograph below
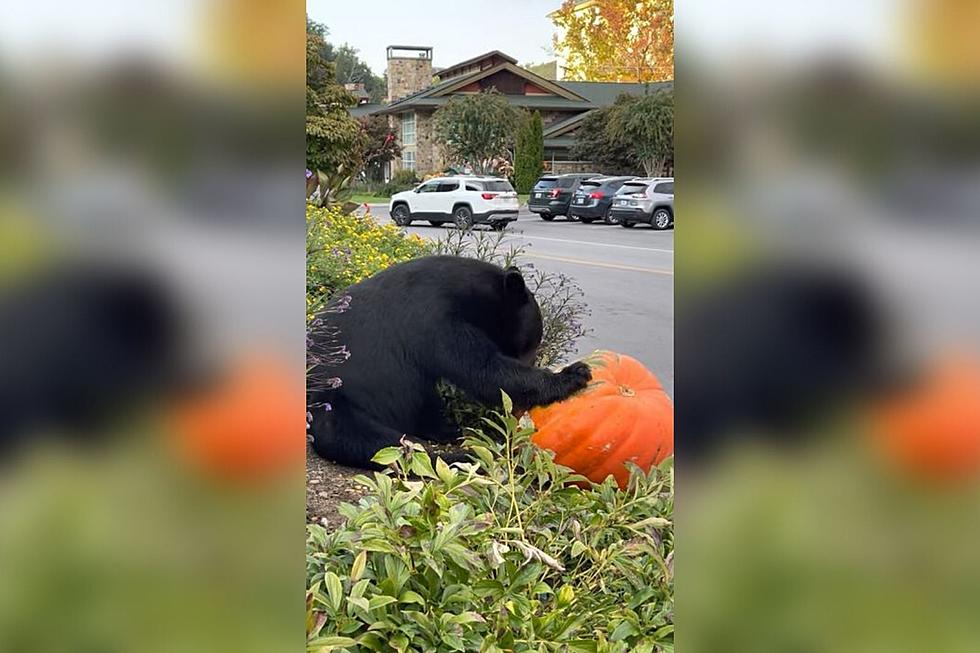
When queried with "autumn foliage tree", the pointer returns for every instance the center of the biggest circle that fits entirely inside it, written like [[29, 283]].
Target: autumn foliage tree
[[616, 40]]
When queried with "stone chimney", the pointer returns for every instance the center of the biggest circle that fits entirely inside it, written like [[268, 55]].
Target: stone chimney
[[409, 70]]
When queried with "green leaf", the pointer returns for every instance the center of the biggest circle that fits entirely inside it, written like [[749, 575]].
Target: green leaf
[[422, 465], [334, 589], [408, 596], [380, 602], [357, 569], [508, 403], [360, 602], [622, 631], [578, 548], [358, 590], [445, 474], [387, 455], [327, 644]]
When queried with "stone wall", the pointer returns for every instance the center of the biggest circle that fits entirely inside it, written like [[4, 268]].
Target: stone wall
[[563, 167], [408, 76], [428, 157]]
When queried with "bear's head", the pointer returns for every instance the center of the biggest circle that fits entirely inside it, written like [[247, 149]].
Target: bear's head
[[523, 319]]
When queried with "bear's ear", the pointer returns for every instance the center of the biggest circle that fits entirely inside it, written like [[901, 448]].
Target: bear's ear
[[514, 281]]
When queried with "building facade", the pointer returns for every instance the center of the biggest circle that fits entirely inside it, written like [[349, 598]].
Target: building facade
[[416, 91]]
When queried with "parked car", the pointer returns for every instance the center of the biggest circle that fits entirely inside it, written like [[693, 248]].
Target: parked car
[[552, 194], [466, 201], [645, 200], [593, 199]]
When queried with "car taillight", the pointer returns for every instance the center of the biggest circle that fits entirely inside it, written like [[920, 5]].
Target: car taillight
[[488, 196], [596, 195]]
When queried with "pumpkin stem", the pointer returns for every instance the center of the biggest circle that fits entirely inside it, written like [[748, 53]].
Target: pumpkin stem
[[626, 391]]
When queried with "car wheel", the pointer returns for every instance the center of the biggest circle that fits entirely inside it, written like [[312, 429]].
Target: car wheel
[[499, 225], [661, 219], [547, 217], [609, 218], [401, 216], [436, 223], [627, 225], [463, 217]]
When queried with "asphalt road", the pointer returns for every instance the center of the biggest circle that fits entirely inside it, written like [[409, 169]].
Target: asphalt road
[[626, 276]]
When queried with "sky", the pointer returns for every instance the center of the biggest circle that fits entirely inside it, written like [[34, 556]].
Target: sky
[[455, 30]]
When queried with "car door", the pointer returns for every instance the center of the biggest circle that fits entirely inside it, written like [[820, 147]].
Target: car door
[[663, 194], [446, 195], [425, 200]]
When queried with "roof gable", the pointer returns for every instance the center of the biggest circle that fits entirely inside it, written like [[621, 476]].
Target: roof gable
[[538, 85], [483, 61]]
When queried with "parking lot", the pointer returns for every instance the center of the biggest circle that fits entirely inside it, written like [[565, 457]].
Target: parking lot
[[626, 275]]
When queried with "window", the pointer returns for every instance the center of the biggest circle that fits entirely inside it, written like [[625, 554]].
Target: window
[[473, 186], [545, 182], [430, 187], [408, 129], [589, 186], [566, 182], [499, 186], [447, 186], [665, 189], [632, 189], [408, 160]]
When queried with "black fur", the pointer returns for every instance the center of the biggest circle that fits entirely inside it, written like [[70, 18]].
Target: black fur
[[471, 323]]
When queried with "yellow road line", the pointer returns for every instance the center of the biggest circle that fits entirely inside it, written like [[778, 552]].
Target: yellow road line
[[596, 264]]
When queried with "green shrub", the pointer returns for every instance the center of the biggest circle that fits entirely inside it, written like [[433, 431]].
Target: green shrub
[[501, 554], [529, 163], [404, 177]]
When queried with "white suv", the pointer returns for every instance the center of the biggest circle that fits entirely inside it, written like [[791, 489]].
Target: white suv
[[465, 201]]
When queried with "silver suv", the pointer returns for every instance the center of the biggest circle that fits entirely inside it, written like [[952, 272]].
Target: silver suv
[[649, 200]]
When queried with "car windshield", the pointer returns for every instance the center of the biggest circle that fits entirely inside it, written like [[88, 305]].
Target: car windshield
[[631, 188], [545, 182], [499, 185]]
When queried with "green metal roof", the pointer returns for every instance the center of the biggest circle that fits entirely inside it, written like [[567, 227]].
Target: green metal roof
[[602, 94]]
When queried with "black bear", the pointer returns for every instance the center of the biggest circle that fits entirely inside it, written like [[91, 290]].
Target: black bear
[[376, 359]]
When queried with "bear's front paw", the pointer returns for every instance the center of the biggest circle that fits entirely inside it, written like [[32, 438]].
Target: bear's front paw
[[577, 375]]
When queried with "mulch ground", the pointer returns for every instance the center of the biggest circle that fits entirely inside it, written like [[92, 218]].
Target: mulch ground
[[327, 486]]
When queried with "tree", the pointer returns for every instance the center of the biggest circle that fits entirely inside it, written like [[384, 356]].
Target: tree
[[647, 123], [611, 154], [352, 70], [617, 40], [348, 67], [635, 132], [381, 145], [528, 163], [477, 129], [334, 140]]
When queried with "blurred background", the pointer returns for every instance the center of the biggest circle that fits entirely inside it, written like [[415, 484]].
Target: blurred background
[[151, 326], [827, 333], [152, 305]]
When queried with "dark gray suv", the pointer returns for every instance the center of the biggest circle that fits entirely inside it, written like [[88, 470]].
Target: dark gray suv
[[552, 194]]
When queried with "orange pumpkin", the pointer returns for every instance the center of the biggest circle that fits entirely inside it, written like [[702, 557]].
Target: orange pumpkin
[[248, 426], [933, 428], [623, 415]]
